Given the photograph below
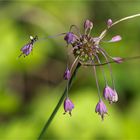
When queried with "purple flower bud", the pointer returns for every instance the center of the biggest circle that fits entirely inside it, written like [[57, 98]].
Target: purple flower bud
[[110, 94], [27, 49], [109, 22], [116, 38], [68, 106], [118, 59], [88, 25], [101, 109], [67, 74], [70, 38]]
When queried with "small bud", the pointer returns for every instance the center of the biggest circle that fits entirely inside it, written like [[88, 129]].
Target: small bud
[[110, 94], [116, 38], [118, 59], [68, 106], [109, 22], [101, 109], [70, 38], [67, 74], [88, 25], [26, 49]]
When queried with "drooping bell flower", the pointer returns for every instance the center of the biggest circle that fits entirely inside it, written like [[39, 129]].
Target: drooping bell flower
[[101, 109], [26, 50], [67, 74], [110, 94], [68, 106]]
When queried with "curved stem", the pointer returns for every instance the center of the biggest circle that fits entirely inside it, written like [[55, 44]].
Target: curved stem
[[58, 104], [111, 74], [72, 26], [102, 35], [123, 60]]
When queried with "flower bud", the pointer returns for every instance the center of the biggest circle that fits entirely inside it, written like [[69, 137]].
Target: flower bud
[[70, 38], [116, 38], [109, 22], [88, 25], [68, 106], [118, 59], [26, 50], [110, 94], [101, 109], [67, 74]]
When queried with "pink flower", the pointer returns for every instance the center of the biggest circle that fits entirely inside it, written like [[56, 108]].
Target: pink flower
[[118, 59], [68, 106], [115, 38], [110, 94], [109, 22], [88, 25], [101, 109], [67, 74]]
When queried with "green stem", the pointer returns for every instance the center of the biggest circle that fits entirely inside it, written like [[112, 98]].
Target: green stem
[[58, 104]]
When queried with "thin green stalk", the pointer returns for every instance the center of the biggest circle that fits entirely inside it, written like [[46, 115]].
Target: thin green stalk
[[58, 104]]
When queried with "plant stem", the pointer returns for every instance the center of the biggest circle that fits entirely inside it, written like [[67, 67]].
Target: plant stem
[[58, 104], [123, 60]]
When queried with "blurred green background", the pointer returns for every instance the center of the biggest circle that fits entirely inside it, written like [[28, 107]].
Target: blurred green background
[[31, 87]]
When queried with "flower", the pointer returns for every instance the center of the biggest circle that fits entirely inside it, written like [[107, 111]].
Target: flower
[[110, 94], [88, 25], [68, 106], [70, 38], [26, 50], [115, 38], [109, 22], [67, 74], [101, 109], [117, 59]]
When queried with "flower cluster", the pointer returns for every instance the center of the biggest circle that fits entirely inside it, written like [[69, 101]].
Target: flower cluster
[[87, 51]]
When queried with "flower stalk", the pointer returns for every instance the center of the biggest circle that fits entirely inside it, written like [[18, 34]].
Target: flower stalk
[[59, 103]]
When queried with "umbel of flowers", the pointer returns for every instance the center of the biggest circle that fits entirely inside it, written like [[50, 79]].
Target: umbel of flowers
[[87, 50]]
